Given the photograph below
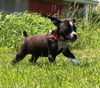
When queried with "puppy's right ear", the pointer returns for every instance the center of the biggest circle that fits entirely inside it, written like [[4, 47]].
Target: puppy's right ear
[[74, 20], [54, 20]]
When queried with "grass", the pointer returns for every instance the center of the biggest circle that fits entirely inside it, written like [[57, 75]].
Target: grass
[[62, 74]]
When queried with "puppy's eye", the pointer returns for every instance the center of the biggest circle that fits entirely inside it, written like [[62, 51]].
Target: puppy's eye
[[67, 31]]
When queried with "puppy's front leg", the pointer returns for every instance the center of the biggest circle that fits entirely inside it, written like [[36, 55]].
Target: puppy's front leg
[[52, 49], [51, 58], [70, 55]]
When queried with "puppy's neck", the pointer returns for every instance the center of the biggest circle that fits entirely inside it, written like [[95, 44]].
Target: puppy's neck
[[55, 33]]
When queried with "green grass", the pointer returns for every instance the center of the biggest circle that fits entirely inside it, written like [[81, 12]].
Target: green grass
[[62, 74]]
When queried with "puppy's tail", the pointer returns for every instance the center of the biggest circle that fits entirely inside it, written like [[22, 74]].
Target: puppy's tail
[[25, 34]]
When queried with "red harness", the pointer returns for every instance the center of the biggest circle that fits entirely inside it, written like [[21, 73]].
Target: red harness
[[55, 37]]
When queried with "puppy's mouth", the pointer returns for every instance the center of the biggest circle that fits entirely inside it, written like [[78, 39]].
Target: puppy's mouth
[[72, 39]]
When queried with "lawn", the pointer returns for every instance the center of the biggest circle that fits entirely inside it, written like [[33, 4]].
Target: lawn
[[62, 74]]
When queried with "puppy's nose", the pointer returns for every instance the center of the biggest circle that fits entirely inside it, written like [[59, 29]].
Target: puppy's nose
[[75, 36]]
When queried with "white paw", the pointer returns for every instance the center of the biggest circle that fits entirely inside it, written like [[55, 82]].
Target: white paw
[[74, 61]]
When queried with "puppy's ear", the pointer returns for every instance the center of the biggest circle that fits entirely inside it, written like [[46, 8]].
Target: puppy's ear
[[74, 20], [54, 20]]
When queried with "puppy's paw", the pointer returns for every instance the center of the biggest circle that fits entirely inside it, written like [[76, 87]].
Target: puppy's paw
[[14, 61], [74, 61]]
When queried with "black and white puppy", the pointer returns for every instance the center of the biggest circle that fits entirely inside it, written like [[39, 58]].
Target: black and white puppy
[[50, 44]]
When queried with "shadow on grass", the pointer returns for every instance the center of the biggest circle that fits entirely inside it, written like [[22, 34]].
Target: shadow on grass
[[85, 65]]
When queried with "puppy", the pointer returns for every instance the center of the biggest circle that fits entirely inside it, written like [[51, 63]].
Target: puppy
[[50, 44]]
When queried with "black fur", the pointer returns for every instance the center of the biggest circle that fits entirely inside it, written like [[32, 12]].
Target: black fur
[[47, 46]]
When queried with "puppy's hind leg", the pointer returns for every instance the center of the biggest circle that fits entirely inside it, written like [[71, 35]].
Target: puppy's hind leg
[[33, 58], [20, 55]]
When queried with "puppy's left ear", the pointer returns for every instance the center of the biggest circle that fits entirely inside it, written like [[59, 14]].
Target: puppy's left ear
[[54, 20], [74, 20]]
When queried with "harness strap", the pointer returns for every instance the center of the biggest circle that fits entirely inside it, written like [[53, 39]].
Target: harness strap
[[55, 37]]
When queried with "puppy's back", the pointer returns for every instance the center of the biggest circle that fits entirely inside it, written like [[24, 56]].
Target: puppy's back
[[37, 41]]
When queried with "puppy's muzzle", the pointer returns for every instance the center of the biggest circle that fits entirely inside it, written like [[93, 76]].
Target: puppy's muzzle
[[73, 36]]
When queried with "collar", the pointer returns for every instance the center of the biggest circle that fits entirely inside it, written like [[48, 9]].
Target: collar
[[55, 37]]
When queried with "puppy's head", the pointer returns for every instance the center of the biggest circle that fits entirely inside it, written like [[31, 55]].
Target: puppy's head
[[66, 28]]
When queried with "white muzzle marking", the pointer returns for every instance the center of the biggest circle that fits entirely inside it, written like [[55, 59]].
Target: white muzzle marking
[[72, 34]]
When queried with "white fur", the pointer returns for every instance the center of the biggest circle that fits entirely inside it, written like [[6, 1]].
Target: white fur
[[62, 44], [74, 61], [71, 23], [73, 33]]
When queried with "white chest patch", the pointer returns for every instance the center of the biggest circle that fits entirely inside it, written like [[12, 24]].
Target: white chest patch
[[62, 45]]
